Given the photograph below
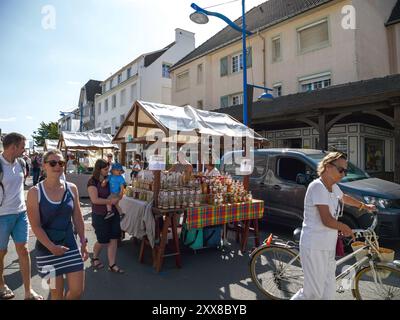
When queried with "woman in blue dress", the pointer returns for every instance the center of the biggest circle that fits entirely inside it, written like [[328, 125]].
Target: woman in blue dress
[[53, 206]]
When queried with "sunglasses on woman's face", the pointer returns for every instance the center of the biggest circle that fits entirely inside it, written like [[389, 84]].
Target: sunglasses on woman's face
[[53, 163], [341, 170]]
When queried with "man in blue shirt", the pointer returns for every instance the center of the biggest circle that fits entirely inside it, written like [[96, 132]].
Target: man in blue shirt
[[116, 184]]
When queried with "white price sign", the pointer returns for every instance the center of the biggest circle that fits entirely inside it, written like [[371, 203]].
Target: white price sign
[[245, 166], [157, 162]]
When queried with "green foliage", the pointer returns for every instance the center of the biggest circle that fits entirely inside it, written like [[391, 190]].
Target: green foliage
[[45, 131]]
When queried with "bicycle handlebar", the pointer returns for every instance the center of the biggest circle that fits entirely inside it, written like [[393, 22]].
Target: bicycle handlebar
[[371, 227]]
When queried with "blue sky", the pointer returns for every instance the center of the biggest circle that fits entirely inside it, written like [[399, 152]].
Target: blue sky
[[44, 69]]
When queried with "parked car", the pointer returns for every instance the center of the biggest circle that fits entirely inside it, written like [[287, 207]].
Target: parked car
[[280, 177]]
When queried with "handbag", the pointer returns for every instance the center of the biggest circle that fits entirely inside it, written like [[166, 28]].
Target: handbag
[[340, 246], [212, 236], [192, 238], [56, 236]]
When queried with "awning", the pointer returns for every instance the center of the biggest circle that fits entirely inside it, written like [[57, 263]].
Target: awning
[[86, 140], [146, 116], [50, 144]]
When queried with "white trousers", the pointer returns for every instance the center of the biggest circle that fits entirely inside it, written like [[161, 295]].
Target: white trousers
[[319, 269]]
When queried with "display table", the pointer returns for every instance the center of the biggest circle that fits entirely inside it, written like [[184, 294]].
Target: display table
[[247, 212], [81, 181]]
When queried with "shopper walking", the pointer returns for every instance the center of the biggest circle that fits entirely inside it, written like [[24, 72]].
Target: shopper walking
[[323, 204], [13, 218], [108, 231]]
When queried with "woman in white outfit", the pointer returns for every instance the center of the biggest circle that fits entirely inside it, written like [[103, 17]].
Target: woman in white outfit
[[322, 204]]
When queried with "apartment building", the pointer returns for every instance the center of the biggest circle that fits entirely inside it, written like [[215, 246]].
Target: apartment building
[[86, 104], [306, 51], [145, 78]]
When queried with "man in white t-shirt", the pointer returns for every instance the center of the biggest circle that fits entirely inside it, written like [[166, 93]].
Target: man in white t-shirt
[[13, 218], [323, 204]]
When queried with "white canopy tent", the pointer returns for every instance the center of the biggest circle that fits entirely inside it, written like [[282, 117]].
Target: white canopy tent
[[85, 140], [50, 144], [145, 116]]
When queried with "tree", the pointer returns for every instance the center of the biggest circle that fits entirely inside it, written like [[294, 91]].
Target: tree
[[45, 131]]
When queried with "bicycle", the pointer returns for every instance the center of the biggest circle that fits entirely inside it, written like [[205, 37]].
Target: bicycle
[[276, 269]]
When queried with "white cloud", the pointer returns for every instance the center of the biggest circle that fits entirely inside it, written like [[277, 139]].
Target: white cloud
[[29, 117], [8, 119]]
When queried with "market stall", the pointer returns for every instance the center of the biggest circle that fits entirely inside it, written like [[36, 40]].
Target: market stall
[[50, 144], [212, 201], [94, 144]]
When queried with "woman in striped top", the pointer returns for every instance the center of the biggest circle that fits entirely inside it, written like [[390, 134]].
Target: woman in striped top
[[52, 206]]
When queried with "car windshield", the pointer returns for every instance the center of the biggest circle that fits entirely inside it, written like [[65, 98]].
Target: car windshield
[[353, 174]]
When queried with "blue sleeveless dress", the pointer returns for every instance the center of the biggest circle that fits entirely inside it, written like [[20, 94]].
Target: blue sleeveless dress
[[49, 265]]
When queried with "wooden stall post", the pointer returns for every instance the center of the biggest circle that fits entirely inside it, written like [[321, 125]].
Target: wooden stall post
[[123, 153]]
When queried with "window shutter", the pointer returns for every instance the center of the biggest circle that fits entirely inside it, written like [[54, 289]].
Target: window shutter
[[249, 60], [224, 102], [224, 66]]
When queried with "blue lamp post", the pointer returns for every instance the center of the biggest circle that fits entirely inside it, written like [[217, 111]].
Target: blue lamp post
[[201, 16]]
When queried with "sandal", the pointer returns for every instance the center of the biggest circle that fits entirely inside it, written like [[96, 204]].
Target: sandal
[[114, 268], [6, 293], [98, 265], [34, 296]]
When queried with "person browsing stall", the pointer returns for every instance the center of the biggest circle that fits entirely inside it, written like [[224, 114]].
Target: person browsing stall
[[323, 204]]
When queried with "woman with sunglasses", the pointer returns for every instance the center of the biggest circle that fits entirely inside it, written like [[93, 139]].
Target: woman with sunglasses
[[53, 206], [323, 204], [108, 231]]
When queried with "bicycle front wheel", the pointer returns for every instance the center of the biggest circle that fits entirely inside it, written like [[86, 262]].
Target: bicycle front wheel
[[385, 287], [277, 272]]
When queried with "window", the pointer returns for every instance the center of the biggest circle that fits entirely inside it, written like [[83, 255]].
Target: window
[[182, 81], [224, 66], [277, 90], [123, 97], [165, 70], [114, 101], [106, 105], [99, 126], [374, 155], [313, 36], [119, 78], [103, 88], [224, 102], [236, 99], [99, 108], [121, 118], [276, 49], [113, 125], [199, 73], [289, 168], [128, 73], [133, 92], [111, 84], [315, 82], [200, 104], [237, 63]]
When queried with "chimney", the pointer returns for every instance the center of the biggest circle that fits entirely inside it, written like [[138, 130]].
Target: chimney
[[182, 35]]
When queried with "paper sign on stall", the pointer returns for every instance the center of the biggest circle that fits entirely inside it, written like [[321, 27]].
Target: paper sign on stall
[[157, 162], [245, 167]]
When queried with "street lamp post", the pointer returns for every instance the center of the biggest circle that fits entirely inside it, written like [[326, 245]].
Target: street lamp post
[[201, 16]]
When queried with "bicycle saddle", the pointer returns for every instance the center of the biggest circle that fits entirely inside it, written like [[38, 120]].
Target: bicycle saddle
[[296, 234]]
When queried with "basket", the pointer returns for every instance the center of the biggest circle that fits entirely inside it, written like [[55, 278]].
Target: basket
[[386, 255]]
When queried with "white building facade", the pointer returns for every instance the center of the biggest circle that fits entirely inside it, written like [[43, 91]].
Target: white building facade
[[145, 78]]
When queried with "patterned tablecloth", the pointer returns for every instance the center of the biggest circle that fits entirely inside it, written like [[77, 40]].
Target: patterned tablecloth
[[198, 217]]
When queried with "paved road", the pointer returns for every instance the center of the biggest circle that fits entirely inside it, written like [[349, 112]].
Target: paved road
[[216, 274]]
